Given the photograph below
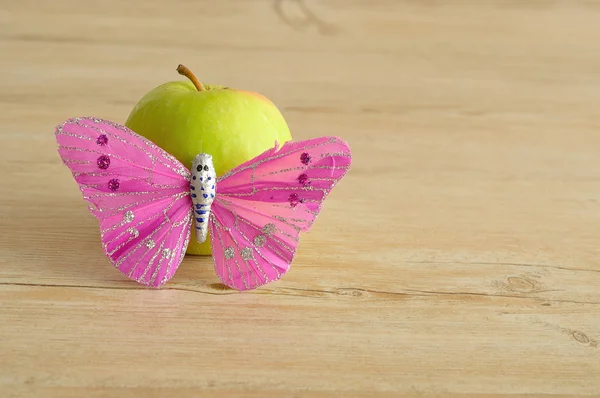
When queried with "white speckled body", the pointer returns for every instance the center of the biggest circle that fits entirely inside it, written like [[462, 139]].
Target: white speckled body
[[203, 189]]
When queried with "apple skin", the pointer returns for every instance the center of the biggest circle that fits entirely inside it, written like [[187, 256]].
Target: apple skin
[[232, 125]]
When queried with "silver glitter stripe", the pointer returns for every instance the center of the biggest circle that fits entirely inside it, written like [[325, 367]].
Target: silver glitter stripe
[[131, 237], [111, 212], [304, 168], [239, 254], [137, 225], [185, 220], [175, 165], [294, 238], [215, 229], [311, 214], [280, 154], [123, 177], [115, 226], [273, 237], [179, 249], [139, 245], [241, 273], [299, 206], [169, 206], [166, 215], [135, 193], [285, 221], [322, 179], [156, 253], [276, 251], [152, 145], [256, 190], [158, 267], [182, 183], [237, 218], [60, 131], [218, 233], [116, 156], [346, 167], [183, 247], [285, 170], [90, 186], [144, 202], [124, 160], [225, 204], [265, 276], [274, 266], [335, 154], [159, 250], [297, 219], [258, 266], [68, 161]]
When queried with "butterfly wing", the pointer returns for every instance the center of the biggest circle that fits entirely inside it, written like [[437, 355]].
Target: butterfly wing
[[138, 192], [263, 205]]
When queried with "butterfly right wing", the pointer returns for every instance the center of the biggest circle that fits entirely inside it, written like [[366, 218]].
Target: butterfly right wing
[[138, 192], [262, 205], [250, 248]]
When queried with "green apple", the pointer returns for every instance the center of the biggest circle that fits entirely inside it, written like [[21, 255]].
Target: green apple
[[187, 117]]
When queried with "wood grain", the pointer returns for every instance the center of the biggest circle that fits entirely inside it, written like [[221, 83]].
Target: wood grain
[[459, 257]]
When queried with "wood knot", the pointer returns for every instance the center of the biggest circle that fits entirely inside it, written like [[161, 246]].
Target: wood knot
[[348, 292], [521, 284], [580, 337]]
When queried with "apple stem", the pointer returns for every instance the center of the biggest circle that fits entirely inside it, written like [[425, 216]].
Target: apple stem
[[184, 71]]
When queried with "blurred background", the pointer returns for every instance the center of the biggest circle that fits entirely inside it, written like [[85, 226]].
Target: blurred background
[[475, 98]]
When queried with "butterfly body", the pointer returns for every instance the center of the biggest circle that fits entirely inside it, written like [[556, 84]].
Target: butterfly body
[[202, 190], [148, 203]]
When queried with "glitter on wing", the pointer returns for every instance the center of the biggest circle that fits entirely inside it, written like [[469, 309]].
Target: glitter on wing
[[263, 204], [138, 192]]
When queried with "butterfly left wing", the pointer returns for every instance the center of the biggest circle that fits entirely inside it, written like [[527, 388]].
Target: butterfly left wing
[[138, 192], [262, 205]]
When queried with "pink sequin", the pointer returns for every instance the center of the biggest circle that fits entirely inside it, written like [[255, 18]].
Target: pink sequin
[[102, 140], [305, 158], [114, 184], [294, 199], [303, 179], [103, 162]]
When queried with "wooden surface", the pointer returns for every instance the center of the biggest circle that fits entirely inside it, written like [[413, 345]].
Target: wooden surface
[[459, 257]]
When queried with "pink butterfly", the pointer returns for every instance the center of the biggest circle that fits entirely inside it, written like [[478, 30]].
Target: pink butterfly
[[147, 202]]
